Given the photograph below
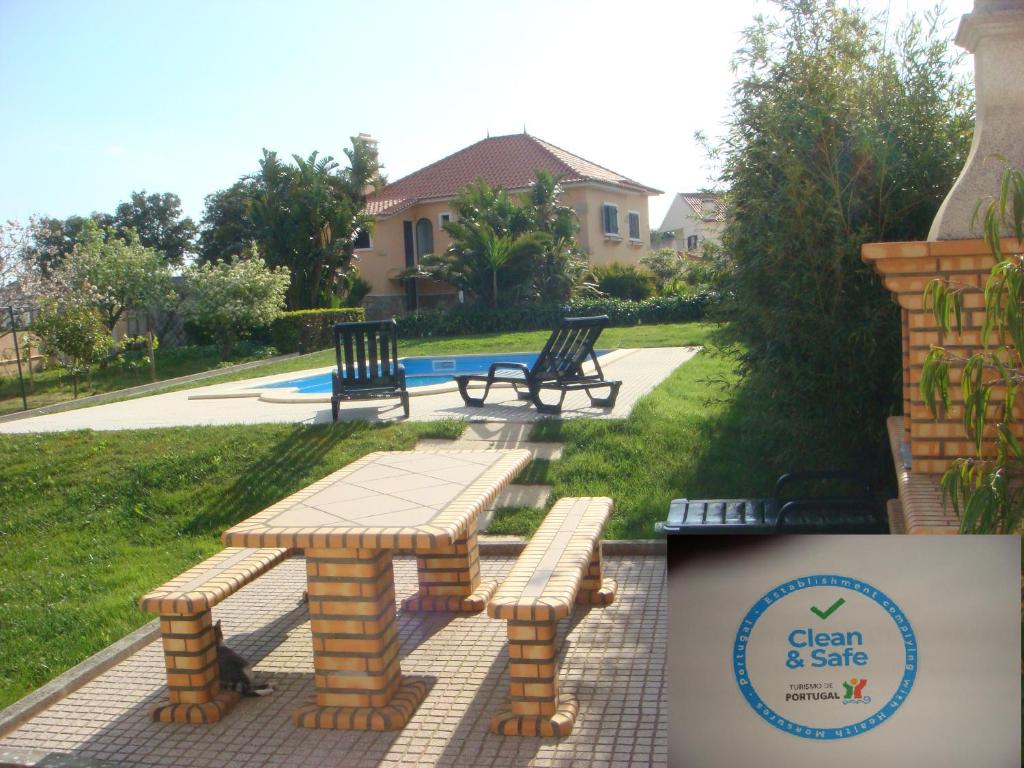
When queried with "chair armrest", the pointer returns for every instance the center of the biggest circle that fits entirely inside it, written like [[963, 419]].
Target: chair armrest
[[495, 367], [826, 474], [827, 505]]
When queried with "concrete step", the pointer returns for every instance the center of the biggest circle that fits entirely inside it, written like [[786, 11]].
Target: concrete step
[[549, 451]]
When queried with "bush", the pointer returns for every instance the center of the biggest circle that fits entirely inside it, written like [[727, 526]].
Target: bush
[[307, 330], [466, 319], [621, 281], [835, 140]]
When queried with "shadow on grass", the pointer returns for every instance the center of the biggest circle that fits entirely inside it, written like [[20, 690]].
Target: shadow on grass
[[278, 467]]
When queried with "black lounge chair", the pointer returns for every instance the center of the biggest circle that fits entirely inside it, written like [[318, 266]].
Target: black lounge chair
[[368, 367], [856, 512], [558, 367]]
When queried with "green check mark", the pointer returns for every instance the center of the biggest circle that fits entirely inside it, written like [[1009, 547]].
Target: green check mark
[[828, 611]]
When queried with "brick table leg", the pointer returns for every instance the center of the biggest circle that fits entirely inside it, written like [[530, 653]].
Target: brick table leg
[[449, 578], [594, 588], [535, 706], [359, 683], [193, 686]]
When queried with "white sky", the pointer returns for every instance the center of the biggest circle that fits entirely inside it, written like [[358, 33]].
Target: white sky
[[105, 98]]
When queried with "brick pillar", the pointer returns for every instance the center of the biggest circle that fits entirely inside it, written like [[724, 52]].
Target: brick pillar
[[906, 269], [449, 578], [594, 588], [359, 683], [193, 686], [535, 706]]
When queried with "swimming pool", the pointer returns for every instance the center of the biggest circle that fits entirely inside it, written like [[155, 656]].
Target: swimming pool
[[419, 371]]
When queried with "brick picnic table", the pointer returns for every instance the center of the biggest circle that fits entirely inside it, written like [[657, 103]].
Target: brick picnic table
[[349, 525]]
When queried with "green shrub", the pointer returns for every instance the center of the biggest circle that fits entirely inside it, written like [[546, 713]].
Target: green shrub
[[466, 319], [306, 330], [836, 139], [621, 281]]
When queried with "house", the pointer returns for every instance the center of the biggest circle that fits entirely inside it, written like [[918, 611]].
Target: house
[[692, 218], [409, 214]]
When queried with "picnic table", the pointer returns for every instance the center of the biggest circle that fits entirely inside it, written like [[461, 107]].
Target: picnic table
[[349, 524]]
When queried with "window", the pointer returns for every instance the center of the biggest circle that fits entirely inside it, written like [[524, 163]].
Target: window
[[443, 219], [424, 237], [691, 243], [610, 214], [362, 241], [634, 225]]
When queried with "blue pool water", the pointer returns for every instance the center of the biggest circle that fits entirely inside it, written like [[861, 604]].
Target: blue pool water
[[419, 371]]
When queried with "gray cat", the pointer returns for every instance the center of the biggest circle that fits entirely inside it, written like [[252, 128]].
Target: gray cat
[[235, 672]]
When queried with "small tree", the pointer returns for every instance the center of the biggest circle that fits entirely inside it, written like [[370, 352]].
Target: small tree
[[71, 328], [987, 489], [230, 298], [666, 265]]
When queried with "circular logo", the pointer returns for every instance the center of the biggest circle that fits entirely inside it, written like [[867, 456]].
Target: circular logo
[[825, 657]]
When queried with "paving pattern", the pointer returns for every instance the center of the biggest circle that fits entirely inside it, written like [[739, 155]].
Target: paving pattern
[[612, 659], [639, 369]]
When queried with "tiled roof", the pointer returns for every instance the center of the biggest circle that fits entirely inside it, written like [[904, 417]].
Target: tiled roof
[[506, 161], [707, 206]]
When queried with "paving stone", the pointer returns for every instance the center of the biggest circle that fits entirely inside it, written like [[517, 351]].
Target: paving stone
[[612, 659], [516, 495]]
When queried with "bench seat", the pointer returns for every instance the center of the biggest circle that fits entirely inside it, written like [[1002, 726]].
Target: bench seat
[[560, 567], [186, 629]]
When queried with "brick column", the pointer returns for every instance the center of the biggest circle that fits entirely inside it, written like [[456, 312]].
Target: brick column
[[193, 685], [906, 269], [535, 706], [594, 588], [359, 683], [449, 578]]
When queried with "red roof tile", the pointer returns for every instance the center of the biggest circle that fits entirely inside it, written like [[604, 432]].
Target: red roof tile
[[708, 206], [506, 161]]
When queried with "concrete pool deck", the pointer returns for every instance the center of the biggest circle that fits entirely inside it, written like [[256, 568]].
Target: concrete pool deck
[[640, 370]]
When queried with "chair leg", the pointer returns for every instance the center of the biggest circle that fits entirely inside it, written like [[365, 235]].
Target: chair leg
[[473, 402], [334, 409], [543, 407], [405, 403], [606, 402]]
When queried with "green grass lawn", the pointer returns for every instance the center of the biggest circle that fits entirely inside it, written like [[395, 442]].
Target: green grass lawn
[[55, 386], [93, 520]]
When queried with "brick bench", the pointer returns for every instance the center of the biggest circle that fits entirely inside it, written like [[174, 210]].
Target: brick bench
[[561, 566], [186, 628]]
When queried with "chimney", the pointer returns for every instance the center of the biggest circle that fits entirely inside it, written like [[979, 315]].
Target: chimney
[[994, 33]]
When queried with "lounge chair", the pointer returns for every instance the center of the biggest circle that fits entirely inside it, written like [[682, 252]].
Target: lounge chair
[[368, 367], [849, 512], [559, 367]]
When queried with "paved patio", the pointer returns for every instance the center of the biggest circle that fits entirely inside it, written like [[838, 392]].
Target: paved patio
[[613, 659], [639, 369]]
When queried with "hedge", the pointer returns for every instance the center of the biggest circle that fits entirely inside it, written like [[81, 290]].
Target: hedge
[[307, 330], [465, 319]]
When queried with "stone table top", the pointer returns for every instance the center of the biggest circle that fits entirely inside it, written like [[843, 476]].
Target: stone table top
[[389, 499]]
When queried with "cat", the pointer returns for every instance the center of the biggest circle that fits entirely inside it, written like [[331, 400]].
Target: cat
[[235, 672]]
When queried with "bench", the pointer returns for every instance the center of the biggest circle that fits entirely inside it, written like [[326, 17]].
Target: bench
[[186, 628], [561, 566]]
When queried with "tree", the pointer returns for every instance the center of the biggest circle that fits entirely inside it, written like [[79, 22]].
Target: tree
[[834, 140], [159, 224], [71, 328], [304, 216], [667, 267], [986, 489], [230, 298], [227, 230], [118, 274], [524, 245], [19, 273]]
